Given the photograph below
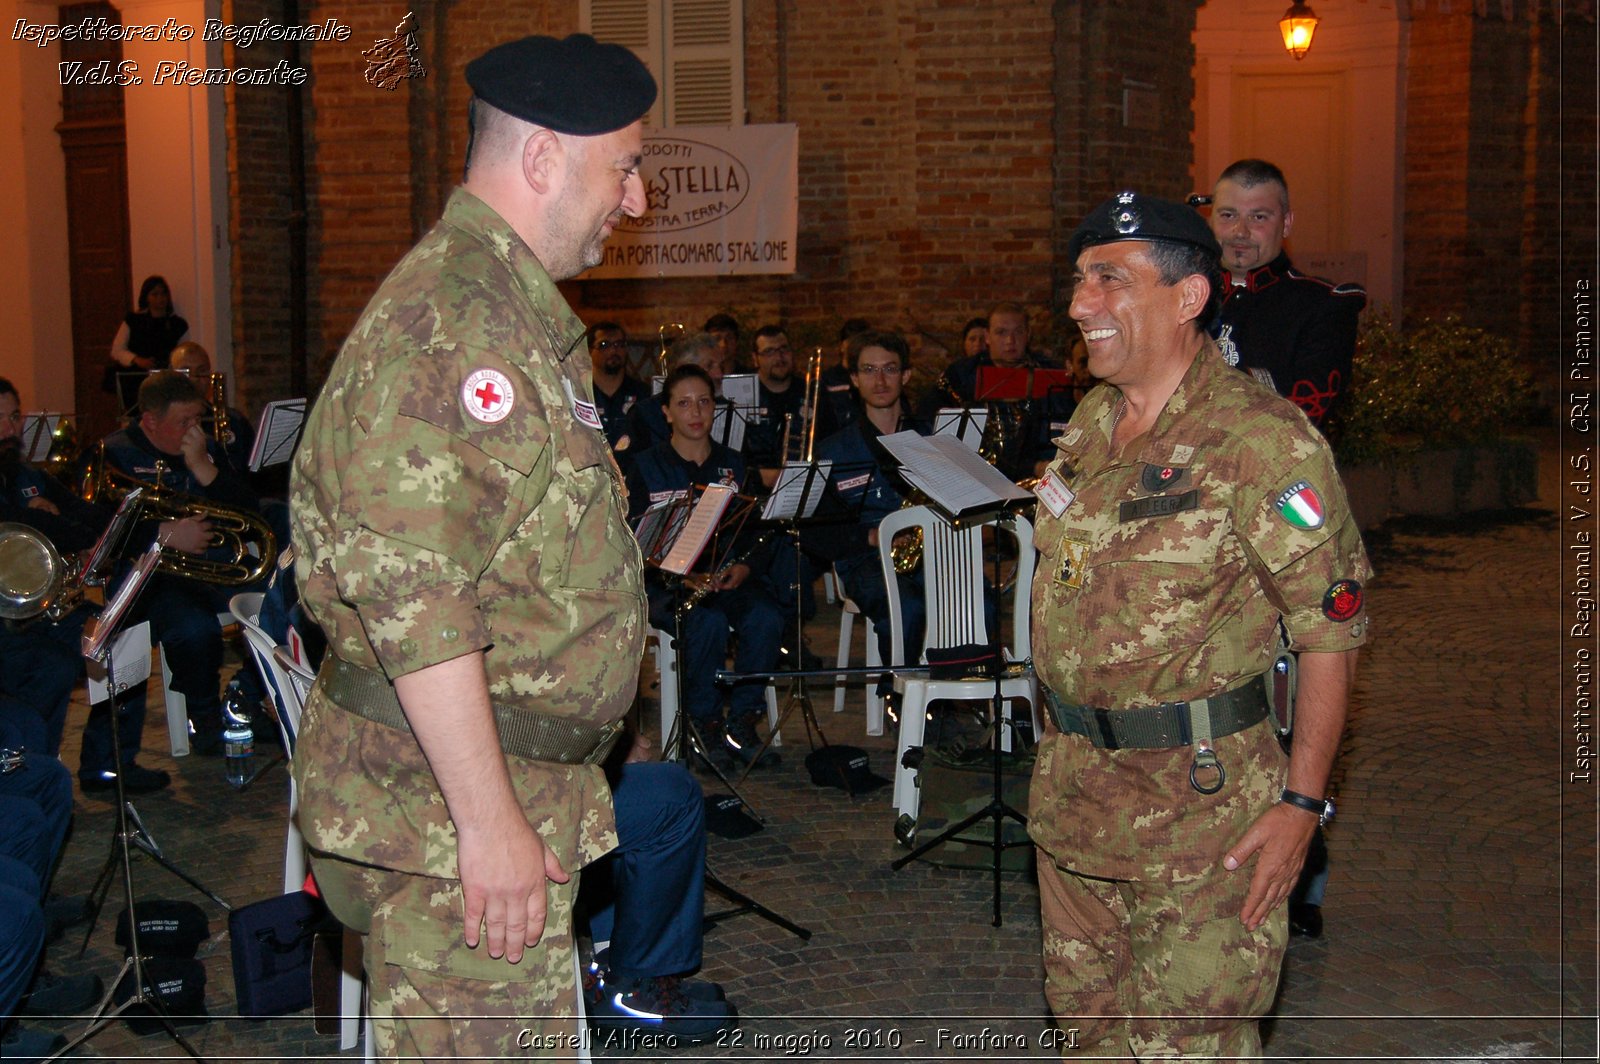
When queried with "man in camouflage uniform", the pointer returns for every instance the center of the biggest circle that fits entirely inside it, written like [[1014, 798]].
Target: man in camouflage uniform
[[1188, 512], [462, 543]]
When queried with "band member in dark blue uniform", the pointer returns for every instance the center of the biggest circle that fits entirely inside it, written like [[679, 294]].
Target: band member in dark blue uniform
[[740, 601], [865, 475], [1295, 331], [615, 392]]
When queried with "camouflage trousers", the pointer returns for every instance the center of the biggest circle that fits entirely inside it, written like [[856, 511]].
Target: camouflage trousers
[[432, 998], [1143, 970]]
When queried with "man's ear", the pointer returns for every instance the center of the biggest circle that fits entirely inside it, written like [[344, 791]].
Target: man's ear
[[1288, 223], [1194, 292], [542, 158]]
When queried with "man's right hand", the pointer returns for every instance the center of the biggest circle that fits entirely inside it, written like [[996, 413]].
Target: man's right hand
[[502, 881], [192, 535]]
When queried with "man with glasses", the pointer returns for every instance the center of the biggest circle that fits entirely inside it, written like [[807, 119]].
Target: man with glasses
[[615, 393], [866, 476], [780, 397]]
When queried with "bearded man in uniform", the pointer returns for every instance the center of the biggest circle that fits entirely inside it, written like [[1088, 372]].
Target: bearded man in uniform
[[460, 523]]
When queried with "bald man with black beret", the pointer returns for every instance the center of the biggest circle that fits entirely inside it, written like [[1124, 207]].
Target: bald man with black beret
[[462, 542]]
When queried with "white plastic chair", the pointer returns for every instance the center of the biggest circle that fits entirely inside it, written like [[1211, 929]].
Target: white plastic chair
[[176, 702], [953, 586], [354, 1020], [848, 612]]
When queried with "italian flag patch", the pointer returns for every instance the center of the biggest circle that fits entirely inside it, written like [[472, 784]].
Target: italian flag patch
[[1301, 506]]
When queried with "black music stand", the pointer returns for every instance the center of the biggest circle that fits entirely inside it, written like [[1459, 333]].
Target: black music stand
[[98, 648], [796, 496]]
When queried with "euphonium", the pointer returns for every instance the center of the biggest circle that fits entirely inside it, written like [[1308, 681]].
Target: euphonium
[[33, 577], [906, 551], [244, 539]]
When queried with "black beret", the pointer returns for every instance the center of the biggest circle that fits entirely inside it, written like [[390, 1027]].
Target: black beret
[[1130, 216], [577, 86]]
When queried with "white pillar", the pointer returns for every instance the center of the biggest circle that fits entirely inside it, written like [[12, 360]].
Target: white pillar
[[178, 172], [36, 352]]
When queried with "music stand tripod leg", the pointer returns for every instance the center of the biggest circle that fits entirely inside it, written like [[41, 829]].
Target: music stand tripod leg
[[122, 842], [743, 903]]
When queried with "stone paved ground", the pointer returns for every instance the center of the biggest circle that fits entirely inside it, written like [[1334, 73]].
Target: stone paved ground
[[1460, 919]]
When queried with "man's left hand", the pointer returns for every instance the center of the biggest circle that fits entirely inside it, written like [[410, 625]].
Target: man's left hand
[[1278, 840]]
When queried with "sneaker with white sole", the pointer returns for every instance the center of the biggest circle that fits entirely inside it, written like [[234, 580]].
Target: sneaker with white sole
[[637, 1010]]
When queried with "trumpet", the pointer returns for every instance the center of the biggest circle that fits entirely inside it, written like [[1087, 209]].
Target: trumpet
[[34, 579], [244, 539]]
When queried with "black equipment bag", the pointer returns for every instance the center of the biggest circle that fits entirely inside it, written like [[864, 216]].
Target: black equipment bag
[[272, 942], [177, 983]]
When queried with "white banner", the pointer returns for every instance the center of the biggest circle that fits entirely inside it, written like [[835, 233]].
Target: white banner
[[723, 200]]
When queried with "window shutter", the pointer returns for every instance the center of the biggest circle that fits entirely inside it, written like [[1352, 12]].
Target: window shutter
[[635, 24], [695, 48], [705, 53]]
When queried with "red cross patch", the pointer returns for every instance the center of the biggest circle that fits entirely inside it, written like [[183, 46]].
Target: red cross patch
[[487, 395]]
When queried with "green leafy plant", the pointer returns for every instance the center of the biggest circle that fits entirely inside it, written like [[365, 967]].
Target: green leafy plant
[[1428, 384]]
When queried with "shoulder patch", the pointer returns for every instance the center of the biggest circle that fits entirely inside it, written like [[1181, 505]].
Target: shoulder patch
[[487, 395], [1301, 506], [1342, 600]]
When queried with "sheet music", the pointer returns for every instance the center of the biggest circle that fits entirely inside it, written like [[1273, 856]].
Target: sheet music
[[130, 658], [38, 433], [952, 475], [742, 393], [281, 422], [697, 530], [966, 423], [660, 524], [787, 494], [740, 390]]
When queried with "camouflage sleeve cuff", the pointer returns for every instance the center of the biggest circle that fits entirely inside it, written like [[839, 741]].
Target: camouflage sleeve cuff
[[1315, 631], [433, 625]]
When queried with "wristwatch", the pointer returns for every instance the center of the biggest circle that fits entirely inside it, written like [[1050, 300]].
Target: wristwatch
[[1323, 807]]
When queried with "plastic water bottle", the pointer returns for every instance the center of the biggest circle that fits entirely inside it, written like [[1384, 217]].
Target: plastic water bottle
[[238, 740]]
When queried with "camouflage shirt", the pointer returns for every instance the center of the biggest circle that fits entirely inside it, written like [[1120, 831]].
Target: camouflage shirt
[[454, 493], [1164, 579]]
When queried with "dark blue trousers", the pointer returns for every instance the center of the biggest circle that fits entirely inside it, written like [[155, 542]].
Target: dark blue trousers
[[748, 610], [39, 666], [647, 896], [862, 577], [21, 932]]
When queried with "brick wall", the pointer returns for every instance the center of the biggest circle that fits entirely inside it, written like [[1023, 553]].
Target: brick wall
[[947, 150], [1486, 160], [258, 226]]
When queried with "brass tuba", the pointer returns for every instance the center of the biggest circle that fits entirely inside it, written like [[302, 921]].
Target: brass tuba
[[244, 538], [33, 577]]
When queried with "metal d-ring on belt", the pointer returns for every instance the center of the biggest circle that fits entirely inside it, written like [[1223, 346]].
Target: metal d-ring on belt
[[1170, 724], [523, 733]]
